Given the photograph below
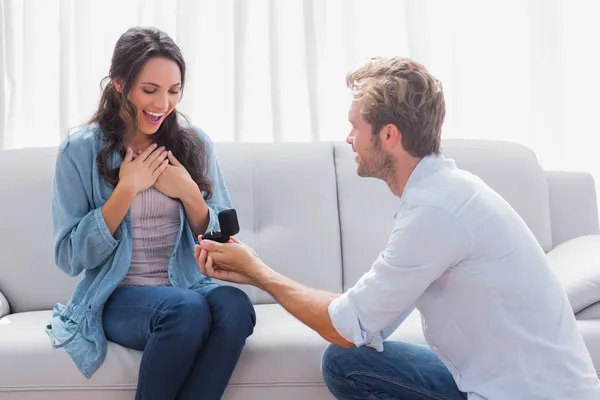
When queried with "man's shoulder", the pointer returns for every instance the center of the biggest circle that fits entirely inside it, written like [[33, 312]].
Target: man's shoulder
[[445, 190]]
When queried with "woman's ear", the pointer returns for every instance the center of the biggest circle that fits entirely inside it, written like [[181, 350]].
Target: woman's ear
[[118, 84]]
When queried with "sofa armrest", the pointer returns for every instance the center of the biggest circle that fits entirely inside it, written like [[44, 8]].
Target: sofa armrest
[[573, 205], [576, 263], [591, 312], [4, 306]]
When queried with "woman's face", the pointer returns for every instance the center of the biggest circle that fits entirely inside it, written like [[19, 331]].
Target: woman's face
[[155, 93]]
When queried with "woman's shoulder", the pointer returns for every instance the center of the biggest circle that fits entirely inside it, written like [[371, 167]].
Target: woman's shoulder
[[81, 141], [202, 135]]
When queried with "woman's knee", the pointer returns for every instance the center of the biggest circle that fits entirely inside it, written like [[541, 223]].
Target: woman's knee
[[232, 310], [186, 314]]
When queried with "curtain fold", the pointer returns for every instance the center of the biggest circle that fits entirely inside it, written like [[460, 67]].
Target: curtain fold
[[274, 70]]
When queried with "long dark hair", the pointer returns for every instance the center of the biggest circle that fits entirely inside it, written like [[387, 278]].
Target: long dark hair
[[117, 116]]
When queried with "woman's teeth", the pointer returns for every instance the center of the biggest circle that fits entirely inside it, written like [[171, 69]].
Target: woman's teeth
[[154, 114], [153, 118]]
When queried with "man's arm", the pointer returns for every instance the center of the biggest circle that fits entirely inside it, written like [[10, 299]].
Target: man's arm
[[308, 305], [424, 243]]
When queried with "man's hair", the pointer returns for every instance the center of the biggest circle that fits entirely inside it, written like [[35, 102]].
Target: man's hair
[[401, 92]]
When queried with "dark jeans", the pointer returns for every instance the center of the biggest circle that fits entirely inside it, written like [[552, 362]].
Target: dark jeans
[[402, 371], [191, 340]]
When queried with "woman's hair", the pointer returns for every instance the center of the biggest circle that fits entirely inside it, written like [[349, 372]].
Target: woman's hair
[[117, 116], [402, 92]]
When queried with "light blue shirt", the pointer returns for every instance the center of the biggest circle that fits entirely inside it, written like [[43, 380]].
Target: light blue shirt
[[491, 308], [83, 244]]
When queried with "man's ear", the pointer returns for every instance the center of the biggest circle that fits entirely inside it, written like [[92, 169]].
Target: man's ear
[[390, 135], [118, 84]]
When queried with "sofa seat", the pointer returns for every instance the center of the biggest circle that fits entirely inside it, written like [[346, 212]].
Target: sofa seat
[[282, 353]]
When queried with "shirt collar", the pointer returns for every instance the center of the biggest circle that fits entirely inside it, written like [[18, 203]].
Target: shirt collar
[[426, 167]]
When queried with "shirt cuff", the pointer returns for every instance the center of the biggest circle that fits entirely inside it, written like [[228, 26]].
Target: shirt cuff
[[347, 324], [103, 228]]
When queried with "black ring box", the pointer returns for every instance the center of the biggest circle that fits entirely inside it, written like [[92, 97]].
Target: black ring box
[[228, 222]]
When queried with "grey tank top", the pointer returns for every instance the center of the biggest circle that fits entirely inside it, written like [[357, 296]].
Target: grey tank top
[[154, 223]]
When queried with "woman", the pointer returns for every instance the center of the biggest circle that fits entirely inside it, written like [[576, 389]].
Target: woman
[[133, 190]]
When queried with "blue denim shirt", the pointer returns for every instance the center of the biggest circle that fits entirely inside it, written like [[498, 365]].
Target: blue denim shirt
[[83, 243]]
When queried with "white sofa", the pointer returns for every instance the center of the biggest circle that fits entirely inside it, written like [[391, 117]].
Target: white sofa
[[307, 213]]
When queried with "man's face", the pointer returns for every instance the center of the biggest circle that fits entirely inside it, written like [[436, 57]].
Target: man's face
[[371, 159]]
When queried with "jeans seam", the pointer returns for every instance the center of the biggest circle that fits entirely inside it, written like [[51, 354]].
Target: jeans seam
[[148, 353], [434, 396], [145, 307], [370, 395]]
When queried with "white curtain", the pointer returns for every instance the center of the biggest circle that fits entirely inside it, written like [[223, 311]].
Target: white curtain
[[273, 70]]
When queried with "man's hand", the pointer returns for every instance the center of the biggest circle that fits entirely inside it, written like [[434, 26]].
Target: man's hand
[[236, 262], [175, 181], [232, 261]]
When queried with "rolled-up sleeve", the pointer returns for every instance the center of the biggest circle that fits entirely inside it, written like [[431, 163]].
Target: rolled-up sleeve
[[220, 199], [424, 243], [81, 238]]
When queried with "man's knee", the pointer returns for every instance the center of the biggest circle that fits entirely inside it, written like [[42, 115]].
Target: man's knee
[[333, 361]]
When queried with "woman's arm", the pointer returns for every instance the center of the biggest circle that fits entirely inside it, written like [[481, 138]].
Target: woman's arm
[[203, 215], [115, 208], [196, 210], [82, 239]]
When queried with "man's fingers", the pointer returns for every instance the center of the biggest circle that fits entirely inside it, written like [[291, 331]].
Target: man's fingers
[[211, 246], [197, 250], [210, 266], [233, 239], [201, 260]]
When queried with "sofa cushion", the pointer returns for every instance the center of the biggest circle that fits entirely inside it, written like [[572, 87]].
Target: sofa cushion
[[367, 206], [4, 306], [286, 198], [576, 263], [281, 352], [28, 277], [591, 312]]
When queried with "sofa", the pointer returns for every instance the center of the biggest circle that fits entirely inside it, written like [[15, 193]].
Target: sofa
[[302, 207]]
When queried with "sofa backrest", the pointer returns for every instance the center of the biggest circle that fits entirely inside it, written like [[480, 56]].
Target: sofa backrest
[[287, 197], [367, 206]]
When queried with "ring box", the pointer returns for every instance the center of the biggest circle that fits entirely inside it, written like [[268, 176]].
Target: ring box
[[229, 225]]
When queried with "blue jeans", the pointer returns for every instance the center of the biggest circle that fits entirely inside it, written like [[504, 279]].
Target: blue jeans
[[191, 340], [402, 371]]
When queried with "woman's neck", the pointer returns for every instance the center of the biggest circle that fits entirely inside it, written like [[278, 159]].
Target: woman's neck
[[139, 142]]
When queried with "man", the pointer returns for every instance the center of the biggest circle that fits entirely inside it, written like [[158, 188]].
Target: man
[[498, 323]]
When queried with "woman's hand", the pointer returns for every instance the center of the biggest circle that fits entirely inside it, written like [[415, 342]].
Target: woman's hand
[[175, 181], [143, 171]]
